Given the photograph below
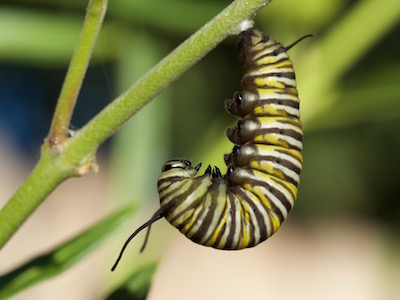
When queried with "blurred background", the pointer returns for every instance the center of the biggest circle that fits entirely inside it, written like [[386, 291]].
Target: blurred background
[[342, 240]]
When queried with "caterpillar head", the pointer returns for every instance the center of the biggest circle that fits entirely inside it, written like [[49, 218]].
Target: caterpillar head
[[180, 168]]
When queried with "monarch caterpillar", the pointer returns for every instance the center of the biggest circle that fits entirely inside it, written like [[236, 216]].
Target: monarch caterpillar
[[247, 205]]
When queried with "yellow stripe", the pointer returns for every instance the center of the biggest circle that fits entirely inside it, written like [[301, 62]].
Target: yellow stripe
[[262, 81]]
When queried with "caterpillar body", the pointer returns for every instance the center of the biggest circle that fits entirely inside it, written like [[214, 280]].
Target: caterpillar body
[[248, 204]]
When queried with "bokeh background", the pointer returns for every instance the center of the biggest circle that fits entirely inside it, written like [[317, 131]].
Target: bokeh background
[[342, 240]]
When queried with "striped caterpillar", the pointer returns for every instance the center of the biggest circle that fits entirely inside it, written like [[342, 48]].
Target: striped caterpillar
[[248, 204]]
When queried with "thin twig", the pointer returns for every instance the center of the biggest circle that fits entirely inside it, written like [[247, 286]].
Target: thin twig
[[76, 72]]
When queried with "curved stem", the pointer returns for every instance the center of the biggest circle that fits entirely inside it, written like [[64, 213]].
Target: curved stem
[[77, 156]]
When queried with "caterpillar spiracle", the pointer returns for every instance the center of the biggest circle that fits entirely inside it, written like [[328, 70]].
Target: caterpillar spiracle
[[248, 204]]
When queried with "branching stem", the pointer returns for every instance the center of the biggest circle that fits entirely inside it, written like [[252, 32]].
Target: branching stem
[[63, 158]]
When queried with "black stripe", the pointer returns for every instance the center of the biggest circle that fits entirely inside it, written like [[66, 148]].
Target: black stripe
[[281, 131], [220, 219], [232, 214], [277, 193], [248, 82], [241, 134], [273, 190], [259, 217], [170, 179], [276, 63], [274, 53], [289, 75], [288, 152], [285, 163], [219, 237], [208, 218], [242, 198], [284, 102], [289, 191], [281, 161], [180, 197]]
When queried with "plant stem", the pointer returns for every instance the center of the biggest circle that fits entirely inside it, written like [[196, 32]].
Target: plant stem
[[87, 140], [48, 173], [52, 167], [77, 153], [76, 72]]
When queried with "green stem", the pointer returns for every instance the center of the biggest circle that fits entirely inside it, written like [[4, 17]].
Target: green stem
[[87, 140], [48, 173], [77, 156], [76, 72], [52, 167]]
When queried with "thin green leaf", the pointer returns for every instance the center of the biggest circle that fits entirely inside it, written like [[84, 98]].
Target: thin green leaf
[[63, 257], [137, 285]]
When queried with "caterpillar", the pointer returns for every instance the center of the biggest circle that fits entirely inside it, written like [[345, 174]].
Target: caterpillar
[[248, 204]]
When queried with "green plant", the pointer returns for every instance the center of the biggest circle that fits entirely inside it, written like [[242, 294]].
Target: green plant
[[63, 157], [338, 93]]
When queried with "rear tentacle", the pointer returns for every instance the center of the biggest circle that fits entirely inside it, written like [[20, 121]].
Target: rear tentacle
[[156, 216]]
